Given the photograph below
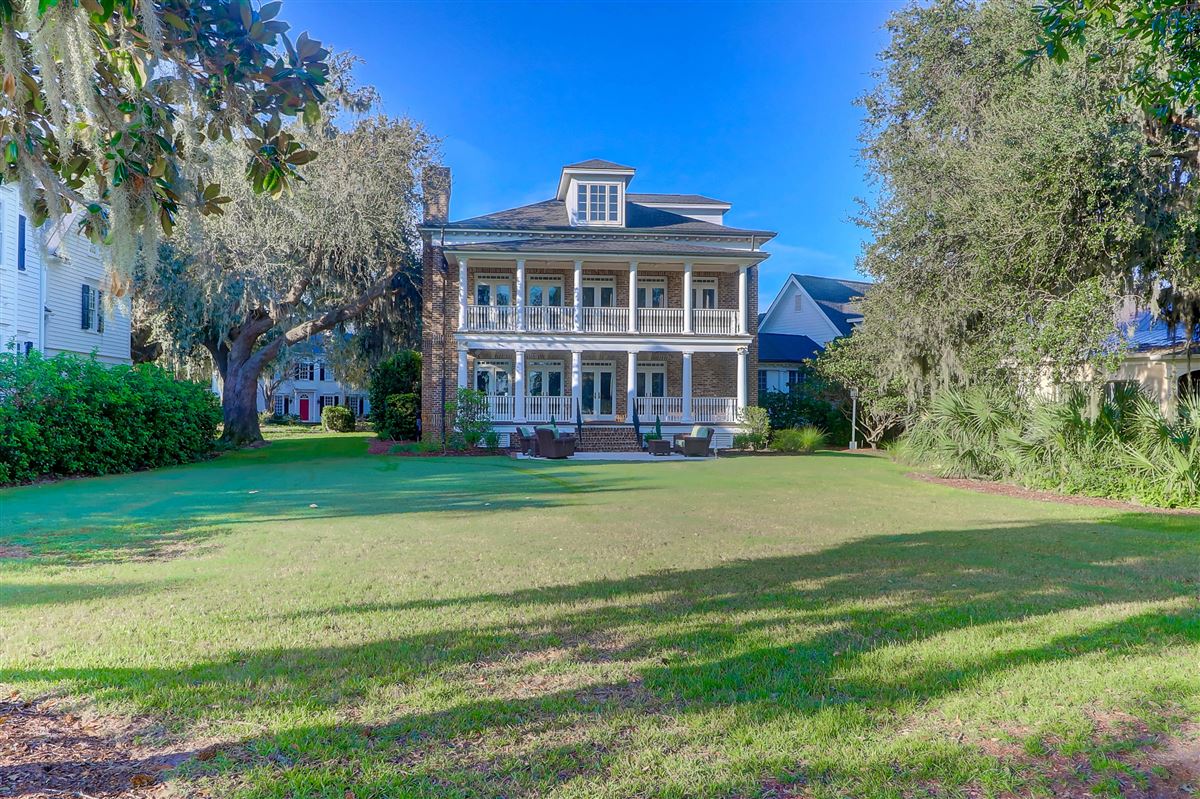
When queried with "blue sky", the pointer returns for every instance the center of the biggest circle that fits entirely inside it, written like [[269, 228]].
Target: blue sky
[[750, 103]]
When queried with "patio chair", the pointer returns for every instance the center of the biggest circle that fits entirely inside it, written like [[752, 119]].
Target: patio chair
[[551, 445], [528, 441], [695, 444]]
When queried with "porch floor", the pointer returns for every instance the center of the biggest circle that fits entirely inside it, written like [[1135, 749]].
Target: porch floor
[[619, 456]]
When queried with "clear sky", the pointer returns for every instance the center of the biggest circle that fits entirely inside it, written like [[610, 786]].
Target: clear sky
[[752, 103]]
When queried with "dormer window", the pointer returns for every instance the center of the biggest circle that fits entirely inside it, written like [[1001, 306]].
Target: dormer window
[[598, 203]]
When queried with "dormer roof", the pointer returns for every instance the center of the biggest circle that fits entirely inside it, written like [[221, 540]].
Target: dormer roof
[[593, 167], [599, 165]]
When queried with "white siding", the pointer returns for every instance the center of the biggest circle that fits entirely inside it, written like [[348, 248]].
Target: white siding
[[809, 320]]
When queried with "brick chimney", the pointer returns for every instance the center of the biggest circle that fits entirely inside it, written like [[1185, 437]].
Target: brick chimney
[[435, 187]]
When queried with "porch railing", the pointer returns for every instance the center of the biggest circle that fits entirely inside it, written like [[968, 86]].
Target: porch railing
[[541, 409], [715, 409], [714, 322], [669, 409], [501, 408], [491, 317], [549, 318], [660, 320], [606, 320]]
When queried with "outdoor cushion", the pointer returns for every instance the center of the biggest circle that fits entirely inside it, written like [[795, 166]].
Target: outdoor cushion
[[699, 431]]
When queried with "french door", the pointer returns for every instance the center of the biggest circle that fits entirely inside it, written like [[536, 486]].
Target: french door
[[597, 384]]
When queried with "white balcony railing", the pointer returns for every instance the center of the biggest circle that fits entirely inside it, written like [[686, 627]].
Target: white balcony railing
[[606, 320], [501, 408], [668, 409], [542, 409], [660, 320], [491, 317], [715, 409], [714, 322], [549, 318]]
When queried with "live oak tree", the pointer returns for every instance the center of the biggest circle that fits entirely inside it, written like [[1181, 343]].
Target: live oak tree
[[106, 106], [266, 274]]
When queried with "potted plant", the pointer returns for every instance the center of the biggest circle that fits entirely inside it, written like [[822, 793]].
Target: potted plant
[[656, 434]]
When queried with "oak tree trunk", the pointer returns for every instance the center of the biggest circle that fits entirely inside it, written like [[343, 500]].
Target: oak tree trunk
[[239, 401]]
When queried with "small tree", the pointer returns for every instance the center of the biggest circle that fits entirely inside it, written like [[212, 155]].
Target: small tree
[[471, 417], [398, 374], [856, 362], [758, 426]]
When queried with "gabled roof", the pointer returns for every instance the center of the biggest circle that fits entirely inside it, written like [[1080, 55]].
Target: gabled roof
[[596, 163], [1147, 332], [833, 295], [786, 348], [673, 199], [607, 246], [551, 215]]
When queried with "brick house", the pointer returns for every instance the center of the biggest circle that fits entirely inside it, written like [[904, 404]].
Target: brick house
[[601, 307]]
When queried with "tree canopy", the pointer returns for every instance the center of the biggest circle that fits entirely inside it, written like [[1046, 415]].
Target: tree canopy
[[267, 275], [106, 106]]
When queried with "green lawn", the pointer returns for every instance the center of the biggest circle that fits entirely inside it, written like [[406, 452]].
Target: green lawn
[[486, 627]]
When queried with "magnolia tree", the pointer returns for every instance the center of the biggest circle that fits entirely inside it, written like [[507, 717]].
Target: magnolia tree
[[266, 275], [106, 106]]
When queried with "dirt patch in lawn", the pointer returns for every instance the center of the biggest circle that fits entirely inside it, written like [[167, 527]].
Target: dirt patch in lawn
[[1007, 490], [46, 751], [14, 552]]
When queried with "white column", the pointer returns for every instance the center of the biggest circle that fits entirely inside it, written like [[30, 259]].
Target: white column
[[633, 320], [519, 385], [687, 386], [520, 294], [576, 375], [462, 293], [631, 387], [462, 367], [687, 297], [743, 325], [577, 296], [743, 358]]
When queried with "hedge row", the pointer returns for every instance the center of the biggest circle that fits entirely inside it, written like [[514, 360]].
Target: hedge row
[[68, 415]]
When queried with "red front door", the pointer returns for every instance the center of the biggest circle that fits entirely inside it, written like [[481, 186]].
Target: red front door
[[304, 408]]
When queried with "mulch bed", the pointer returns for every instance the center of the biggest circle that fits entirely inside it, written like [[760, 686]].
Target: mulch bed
[[1007, 490], [48, 752], [377, 447]]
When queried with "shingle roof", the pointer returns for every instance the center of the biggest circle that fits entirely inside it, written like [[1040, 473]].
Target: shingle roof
[[833, 294], [610, 246], [552, 215], [786, 348], [596, 163], [682, 199]]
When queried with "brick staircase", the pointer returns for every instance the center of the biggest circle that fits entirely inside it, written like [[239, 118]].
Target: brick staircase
[[608, 438]]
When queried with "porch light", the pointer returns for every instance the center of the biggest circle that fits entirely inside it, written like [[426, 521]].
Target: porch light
[[853, 418]]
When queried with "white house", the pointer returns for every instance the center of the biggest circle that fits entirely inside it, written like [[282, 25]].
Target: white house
[[808, 313], [54, 290], [308, 384]]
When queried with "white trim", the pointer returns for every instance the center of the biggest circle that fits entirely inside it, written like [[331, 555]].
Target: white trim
[[510, 340]]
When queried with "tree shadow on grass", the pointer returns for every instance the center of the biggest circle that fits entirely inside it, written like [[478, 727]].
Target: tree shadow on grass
[[848, 640]]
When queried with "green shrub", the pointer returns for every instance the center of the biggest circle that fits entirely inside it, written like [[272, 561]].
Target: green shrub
[[491, 440], [398, 420], [814, 400], [805, 440], [398, 374], [419, 447], [758, 426], [68, 415], [337, 419], [472, 420]]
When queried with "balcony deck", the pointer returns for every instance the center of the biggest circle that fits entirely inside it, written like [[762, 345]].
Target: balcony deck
[[564, 319]]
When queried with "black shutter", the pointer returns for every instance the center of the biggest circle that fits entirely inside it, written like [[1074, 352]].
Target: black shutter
[[99, 311], [21, 243], [85, 306]]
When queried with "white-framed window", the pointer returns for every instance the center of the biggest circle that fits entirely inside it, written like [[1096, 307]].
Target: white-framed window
[[704, 292], [302, 370], [494, 290], [544, 290], [494, 377], [283, 404], [652, 292], [323, 372], [325, 400], [91, 308], [762, 381], [544, 378], [651, 379], [355, 402], [798, 301], [599, 292], [598, 202]]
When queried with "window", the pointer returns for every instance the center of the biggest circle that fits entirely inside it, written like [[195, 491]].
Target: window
[[87, 309], [544, 379], [494, 377], [28, 347], [599, 293], [704, 292], [283, 405], [762, 381], [326, 400], [495, 290], [793, 378], [545, 290], [652, 292], [21, 243], [652, 380], [322, 372], [597, 202], [798, 301], [302, 370], [355, 403]]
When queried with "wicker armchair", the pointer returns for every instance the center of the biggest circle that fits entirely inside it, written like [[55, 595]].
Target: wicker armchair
[[528, 441], [695, 444], [550, 445]]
